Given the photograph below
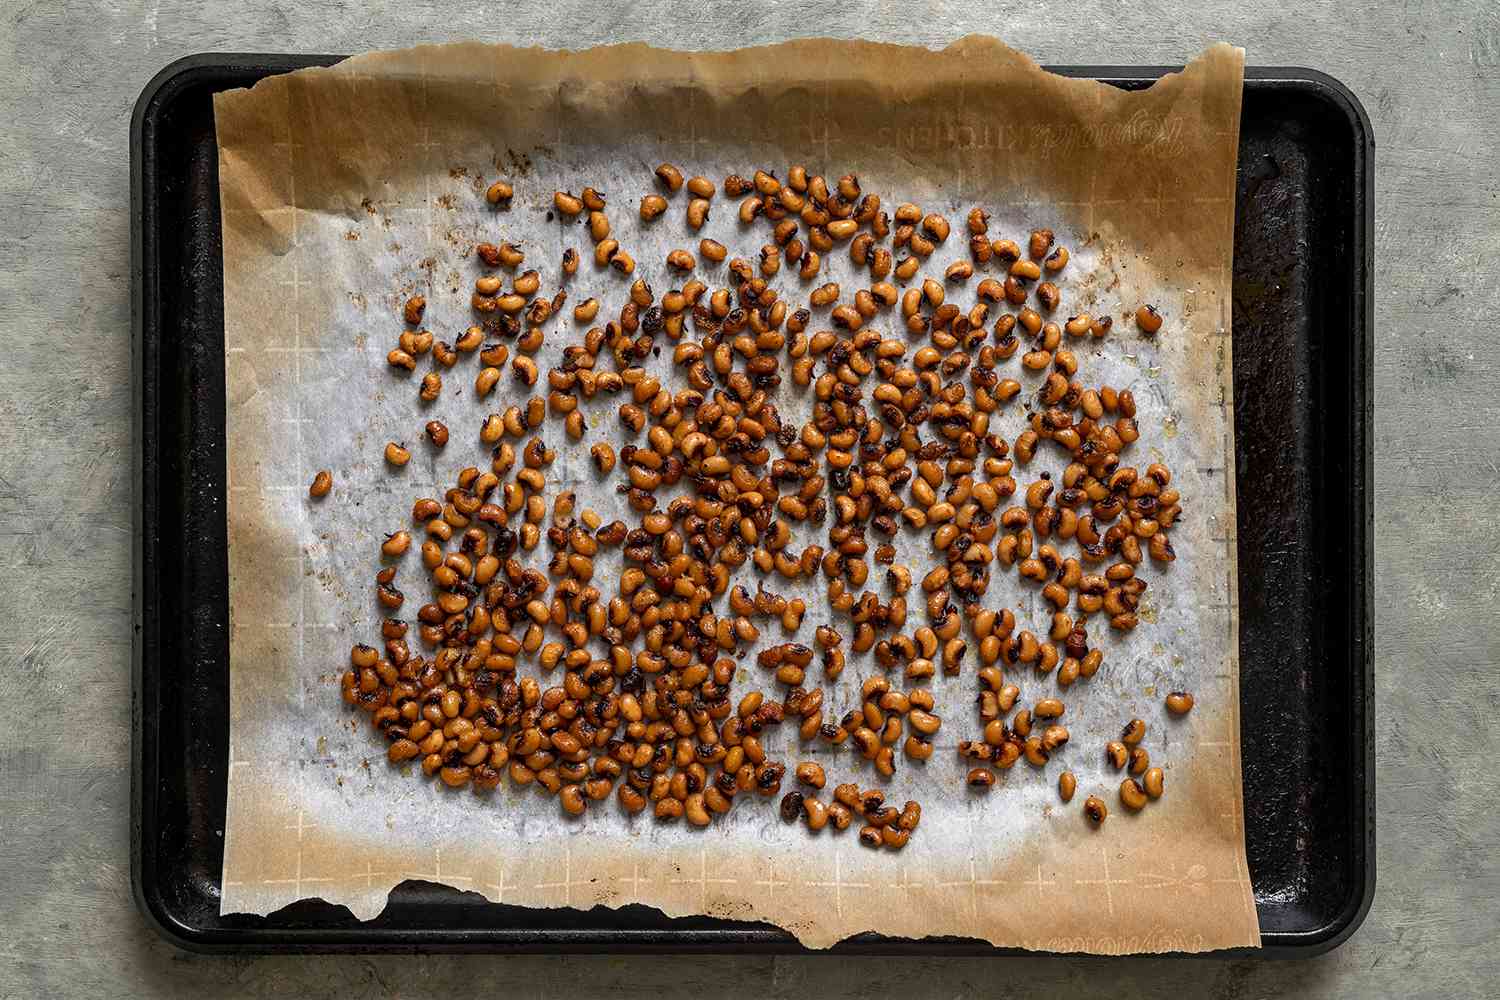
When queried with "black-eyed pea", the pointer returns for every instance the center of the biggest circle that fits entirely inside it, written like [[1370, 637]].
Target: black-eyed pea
[[1154, 782], [694, 809], [1139, 760], [572, 799], [321, 484], [1132, 795], [1179, 702], [1116, 754], [815, 813], [924, 722], [1035, 752], [670, 177], [397, 543], [917, 748], [652, 206], [1066, 785], [499, 194], [396, 454], [1021, 724], [566, 203], [1095, 810], [1067, 672], [1133, 732], [1048, 708], [1148, 319], [586, 310], [811, 774]]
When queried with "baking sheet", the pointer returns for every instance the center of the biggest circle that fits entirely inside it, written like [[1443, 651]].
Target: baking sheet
[[346, 189]]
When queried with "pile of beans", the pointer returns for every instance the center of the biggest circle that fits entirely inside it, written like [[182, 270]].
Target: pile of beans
[[899, 441]]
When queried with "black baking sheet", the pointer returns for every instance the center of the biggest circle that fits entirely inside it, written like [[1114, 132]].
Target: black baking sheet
[[1302, 365]]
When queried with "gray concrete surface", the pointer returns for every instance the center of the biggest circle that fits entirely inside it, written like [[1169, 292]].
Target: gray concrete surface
[[1429, 75]]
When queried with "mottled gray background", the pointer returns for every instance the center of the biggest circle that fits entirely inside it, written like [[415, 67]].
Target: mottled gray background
[[1428, 73]]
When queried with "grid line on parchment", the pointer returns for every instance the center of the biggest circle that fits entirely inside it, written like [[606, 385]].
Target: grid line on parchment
[[636, 881], [1107, 882], [838, 885], [703, 881]]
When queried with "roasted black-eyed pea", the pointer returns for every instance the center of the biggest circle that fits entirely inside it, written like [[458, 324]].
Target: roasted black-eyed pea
[[1139, 760], [1154, 782], [1066, 785], [1049, 296], [694, 811], [566, 203], [670, 177], [1054, 738], [586, 310], [924, 722], [598, 225], [1095, 810], [321, 484], [432, 386], [1035, 751], [811, 774], [1024, 270], [1091, 662], [397, 543], [592, 199], [1116, 754], [894, 837], [981, 778], [1179, 702], [398, 358], [1132, 795], [1133, 732], [1021, 724], [1048, 708], [1056, 260], [499, 193], [396, 454], [1039, 244], [936, 226], [1148, 319], [652, 206]]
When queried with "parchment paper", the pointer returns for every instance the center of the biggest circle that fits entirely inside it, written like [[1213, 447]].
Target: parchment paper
[[346, 189]]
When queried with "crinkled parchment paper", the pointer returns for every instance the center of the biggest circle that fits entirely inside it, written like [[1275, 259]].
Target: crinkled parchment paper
[[346, 189]]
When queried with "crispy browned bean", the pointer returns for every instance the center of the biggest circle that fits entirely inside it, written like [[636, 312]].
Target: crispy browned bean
[[670, 177], [1148, 319], [1154, 782], [396, 455], [1132, 794], [1095, 810], [652, 205], [1066, 784], [1179, 702], [321, 484], [499, 193]]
